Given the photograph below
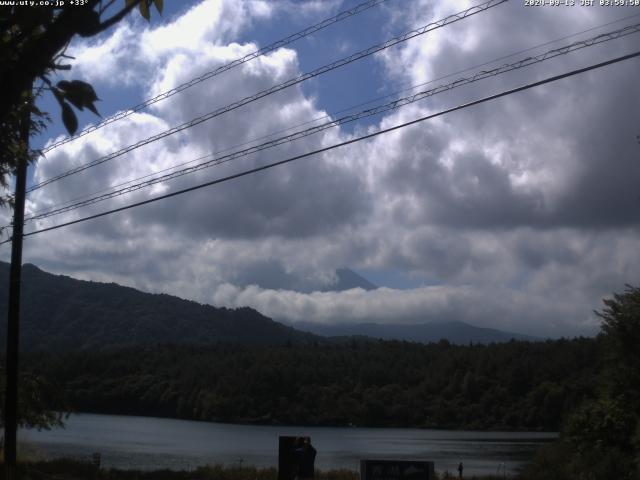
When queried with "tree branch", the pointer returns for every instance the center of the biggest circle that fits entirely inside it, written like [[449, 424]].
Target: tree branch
[[116, 18]]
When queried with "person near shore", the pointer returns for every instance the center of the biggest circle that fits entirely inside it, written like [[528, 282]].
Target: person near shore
[[460, 469], [305, 456]]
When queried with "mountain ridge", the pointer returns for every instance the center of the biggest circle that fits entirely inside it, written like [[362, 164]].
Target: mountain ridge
[[61, 313], [455, 332]]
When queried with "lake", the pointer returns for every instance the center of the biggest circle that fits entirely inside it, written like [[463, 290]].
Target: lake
[[153, 443]]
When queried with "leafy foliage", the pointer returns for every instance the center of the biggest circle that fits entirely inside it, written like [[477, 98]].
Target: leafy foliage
[[601, 438], [621, 333], [39, 401], [80, 94], [32, 48]]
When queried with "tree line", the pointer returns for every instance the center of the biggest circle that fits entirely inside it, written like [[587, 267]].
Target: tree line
[[512, 386]]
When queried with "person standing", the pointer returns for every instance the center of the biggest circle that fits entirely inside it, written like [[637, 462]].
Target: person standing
[[305, 457], [460, 469]]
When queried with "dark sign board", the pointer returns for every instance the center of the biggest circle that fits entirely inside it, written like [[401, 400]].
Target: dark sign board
[[396, 470]]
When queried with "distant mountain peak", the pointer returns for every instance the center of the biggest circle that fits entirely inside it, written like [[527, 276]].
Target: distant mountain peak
[[346, 279]]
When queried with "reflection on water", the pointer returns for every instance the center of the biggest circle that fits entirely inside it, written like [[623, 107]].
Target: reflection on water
[[153, 443]]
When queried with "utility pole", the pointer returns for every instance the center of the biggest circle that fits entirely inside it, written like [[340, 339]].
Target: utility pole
[[13, 316]]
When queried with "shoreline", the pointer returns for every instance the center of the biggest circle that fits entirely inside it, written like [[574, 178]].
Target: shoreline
[[81, 469], [547, 433]]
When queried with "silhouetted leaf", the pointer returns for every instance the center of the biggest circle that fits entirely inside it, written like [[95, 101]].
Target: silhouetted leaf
[[59, 95], [159, 5], [75, 100], [92, 107], [87, 90], [80, 94], [90, 25], [144, 10], [35, 110], [83, 88], [69, 119]]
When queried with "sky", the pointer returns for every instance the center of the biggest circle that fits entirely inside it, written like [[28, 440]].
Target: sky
[[520, 214]]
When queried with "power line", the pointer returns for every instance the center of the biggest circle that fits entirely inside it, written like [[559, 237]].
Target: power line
[[332, 114], [398, 103], [223, 68], [327, 116], [489, 62], [338, 145], [294, 81]]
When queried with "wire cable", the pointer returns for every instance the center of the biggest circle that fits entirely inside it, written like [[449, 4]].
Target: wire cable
[[338, 145], [328, 116], [396, 104], [223, 68], [294, 81]]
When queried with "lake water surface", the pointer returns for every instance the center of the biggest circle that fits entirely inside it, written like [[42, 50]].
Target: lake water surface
[[153, 443]]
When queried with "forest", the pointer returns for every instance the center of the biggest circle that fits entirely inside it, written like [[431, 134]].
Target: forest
[[511, 386]]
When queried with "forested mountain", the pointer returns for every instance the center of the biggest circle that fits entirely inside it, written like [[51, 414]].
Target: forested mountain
[[459, 333], [515, 385], [60, 313]]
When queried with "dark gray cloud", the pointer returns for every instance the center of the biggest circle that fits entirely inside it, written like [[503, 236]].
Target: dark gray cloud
[[562, 155]]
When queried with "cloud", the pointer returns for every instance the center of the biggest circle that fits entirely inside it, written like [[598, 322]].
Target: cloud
[[309, 10], [493, 307], [135, 51], [518, 214]]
